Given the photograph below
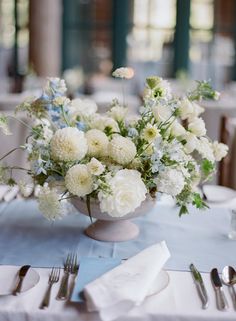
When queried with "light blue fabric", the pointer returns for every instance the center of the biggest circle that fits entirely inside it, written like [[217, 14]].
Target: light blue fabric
[[26, 237], [91, 268]]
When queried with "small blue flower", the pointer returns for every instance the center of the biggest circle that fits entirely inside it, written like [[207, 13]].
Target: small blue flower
[[133, 132], [81, 126]]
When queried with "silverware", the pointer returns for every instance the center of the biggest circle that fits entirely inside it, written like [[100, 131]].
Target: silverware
[[221, 301], [53, 278], [200, 286], [22, 273], [229, 278], [70, 267]]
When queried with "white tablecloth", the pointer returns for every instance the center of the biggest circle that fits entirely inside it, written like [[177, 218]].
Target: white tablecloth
[[179, 301]]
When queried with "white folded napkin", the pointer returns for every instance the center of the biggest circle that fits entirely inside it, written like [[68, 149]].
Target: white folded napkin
[[119, 290], [3, 190], [11, 194]]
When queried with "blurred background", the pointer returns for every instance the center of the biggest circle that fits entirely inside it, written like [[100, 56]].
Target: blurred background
[[83, 41]]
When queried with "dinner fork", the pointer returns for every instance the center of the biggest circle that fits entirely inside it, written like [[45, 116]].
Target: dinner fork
[[70, 267], [53, 278]]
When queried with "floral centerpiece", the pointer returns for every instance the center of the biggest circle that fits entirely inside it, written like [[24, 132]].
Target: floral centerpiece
[[116, 158]]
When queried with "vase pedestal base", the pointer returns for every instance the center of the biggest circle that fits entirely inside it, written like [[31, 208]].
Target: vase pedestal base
[[112, 231]]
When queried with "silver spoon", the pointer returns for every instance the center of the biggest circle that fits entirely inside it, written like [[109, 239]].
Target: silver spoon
[[229, 278]]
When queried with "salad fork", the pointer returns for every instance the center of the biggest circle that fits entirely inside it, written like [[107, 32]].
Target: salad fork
[[53, 278], [70, 267]]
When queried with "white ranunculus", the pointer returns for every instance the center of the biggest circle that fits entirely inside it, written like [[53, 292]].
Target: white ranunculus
[[122, 150], [97, 142], [79, 180], [205, 149], [118, 113], [127, 193], [170, 181], [197, 127], [161, 112], [186, 108], [177, 129], [95, 167], [220, 150], [83, 107], [68, 144], [191, 142]]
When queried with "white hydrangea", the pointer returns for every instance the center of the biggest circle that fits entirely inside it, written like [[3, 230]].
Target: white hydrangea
[[170, 181], [79, 180], [161, 112], [123, 72], [128, 192], [205, 149], [50, 204], [83, 107], [177, 129], [68, 144], [197, 127], [95, 167], [122, 150], [150, 133], [118, 113], [220, 150], [97, 142]]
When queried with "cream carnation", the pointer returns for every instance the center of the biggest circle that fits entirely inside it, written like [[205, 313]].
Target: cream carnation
[[95, 167], [220, 150], [122, 150], [68, 144], [79, 181], [170, 181], [97, 142], [197, 127], [49, 203], [128, 192]]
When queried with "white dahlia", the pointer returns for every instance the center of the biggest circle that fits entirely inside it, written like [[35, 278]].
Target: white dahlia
[[97, 142], [170, 181], [122, 150], [68, 144], [79, 181], [128, 192]]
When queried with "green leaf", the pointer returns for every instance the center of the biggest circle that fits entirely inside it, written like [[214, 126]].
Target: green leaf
[[198, 201], [88, 207], [207, 167], [183, 210]]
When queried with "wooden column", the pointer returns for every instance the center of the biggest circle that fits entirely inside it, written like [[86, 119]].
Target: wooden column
[[45, 23]]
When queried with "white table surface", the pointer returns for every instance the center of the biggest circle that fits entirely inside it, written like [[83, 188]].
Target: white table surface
[[179, 301]]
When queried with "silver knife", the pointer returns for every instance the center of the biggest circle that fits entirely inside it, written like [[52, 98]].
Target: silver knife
[[221, 301], [200, 286], [22, 273]]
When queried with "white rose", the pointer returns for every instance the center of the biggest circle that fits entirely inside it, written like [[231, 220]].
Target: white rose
[[128, 192], [197, 127], [97, 142], [161, 112], [191, 142], [68, 144], [122, 150], [220, 150], [170, 181], [177, 129], [79, 181], [95, 167]]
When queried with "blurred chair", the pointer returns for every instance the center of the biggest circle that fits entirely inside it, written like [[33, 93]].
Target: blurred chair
[[227, 167]]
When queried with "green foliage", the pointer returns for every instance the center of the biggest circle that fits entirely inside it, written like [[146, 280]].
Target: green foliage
[[204, 90], [207, 167], [198, 201]]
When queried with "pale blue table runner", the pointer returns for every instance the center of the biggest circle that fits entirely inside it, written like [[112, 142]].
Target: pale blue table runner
[[201, 237]]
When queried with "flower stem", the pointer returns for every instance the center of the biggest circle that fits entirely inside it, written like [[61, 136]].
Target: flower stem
[[11, 151], [64, 116]]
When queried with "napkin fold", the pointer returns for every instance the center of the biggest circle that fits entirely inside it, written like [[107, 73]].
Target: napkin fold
[[119, 290]]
